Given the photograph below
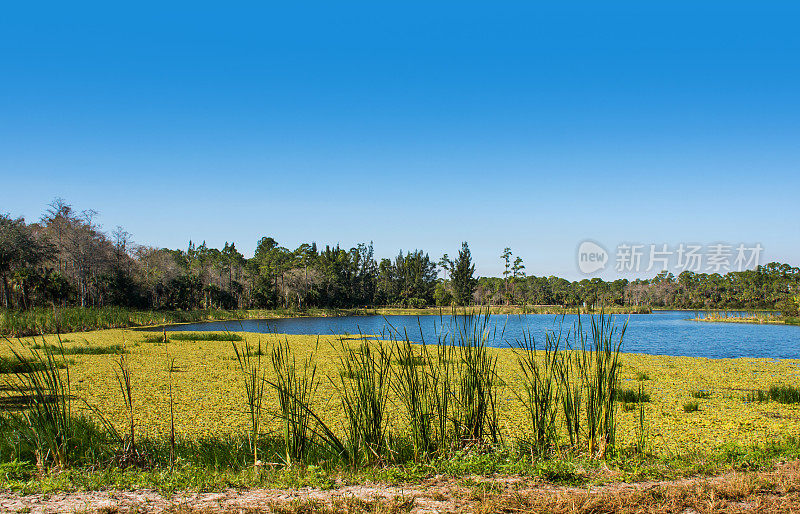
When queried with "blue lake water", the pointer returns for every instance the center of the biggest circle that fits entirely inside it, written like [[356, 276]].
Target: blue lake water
[[660, 333]]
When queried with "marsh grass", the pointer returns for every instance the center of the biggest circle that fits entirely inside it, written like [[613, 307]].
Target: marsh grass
[[78, 319], [205, 336], [786, 394], [86, 349], [20, 364]]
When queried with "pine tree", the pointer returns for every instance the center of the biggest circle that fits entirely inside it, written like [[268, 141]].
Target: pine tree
[[463, 276]]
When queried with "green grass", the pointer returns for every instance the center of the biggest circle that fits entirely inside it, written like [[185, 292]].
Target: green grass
[[700, 394], [218, 464]]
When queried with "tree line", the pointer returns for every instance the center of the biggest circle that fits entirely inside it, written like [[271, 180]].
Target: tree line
[[66, 259]]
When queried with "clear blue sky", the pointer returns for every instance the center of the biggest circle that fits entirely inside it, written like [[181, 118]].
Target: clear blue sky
[[414, 125]]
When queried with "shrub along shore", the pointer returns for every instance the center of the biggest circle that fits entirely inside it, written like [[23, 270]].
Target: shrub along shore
[[760, 317], [213, 410]]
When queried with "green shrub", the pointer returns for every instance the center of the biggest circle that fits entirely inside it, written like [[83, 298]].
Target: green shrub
[[701, 394], [691, 406], [632, 396], [784, 394]]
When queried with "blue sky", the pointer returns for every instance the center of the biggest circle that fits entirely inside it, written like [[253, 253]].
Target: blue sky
[[414, 125]]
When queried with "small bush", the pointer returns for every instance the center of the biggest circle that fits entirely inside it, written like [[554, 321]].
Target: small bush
[[701, 394], [628, 407], [632, 396], [691, 407], [641, 376]]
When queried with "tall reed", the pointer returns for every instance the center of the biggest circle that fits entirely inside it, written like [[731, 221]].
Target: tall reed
[[641, 429], [296, 386], [47, 421], [541, 385], [416, 381], [474, 410], [364, 385], [123, 374], [253, 380], [571, 395], [597, 362]]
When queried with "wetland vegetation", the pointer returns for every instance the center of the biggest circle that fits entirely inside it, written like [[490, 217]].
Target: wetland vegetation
[[183, 410]]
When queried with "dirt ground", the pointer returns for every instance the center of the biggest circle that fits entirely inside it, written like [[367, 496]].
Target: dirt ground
[[773, 491]]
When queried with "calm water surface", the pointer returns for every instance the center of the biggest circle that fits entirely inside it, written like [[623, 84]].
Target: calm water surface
[[660, 333]]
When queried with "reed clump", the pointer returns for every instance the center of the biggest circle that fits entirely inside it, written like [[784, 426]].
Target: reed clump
[[781, 393]]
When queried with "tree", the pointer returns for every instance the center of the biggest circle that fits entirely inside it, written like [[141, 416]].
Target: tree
[[21, 254], [506, 256], [446, 264], [463, 276], [518, 272]]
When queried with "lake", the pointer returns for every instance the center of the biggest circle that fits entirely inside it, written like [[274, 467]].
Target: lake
[[660, 333]]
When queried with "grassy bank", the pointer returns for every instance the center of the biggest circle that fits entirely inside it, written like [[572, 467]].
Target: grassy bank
[[80, 319]]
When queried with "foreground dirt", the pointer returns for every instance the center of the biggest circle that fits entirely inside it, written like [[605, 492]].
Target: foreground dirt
[[773, 491]]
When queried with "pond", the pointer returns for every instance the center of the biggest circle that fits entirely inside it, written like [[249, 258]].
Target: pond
[[660, 333]]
